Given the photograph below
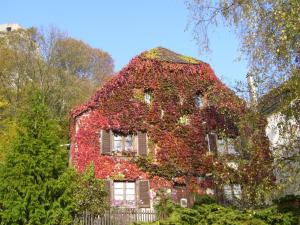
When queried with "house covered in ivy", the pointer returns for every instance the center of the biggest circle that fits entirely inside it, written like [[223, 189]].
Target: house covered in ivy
[[160, 123]]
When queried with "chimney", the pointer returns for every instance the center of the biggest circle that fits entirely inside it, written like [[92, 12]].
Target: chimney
[[252, 90]]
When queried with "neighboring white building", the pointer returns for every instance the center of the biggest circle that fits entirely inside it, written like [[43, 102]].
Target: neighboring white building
[[8, 27], [284, 137]]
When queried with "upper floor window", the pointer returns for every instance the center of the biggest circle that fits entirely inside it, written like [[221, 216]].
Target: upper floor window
[[184, 120], [123, 143], [226, 146], [148, 96], [199, 101], [128, 143]]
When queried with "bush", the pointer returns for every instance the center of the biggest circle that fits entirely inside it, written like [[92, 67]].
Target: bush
[[164, 206], [217, 214], [204, 199], [289, 203]]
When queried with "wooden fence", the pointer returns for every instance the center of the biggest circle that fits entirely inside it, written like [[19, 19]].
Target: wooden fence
[[117, 216]]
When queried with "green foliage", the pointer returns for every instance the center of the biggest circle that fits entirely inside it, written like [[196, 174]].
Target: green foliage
[[34, 187], [90, 194], [272, 215], [164, 206], [217, 214], [268, 32], [289, 203], [67, 71], [204, 199]]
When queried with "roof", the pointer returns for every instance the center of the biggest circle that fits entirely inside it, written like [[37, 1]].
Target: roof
[[158, 54], [276, 97], [163, 54]]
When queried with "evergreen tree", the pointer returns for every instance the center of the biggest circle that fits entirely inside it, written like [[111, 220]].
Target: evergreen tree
[[35, 180]]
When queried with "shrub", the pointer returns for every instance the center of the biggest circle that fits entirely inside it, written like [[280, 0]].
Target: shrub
[[164, 206], [204, 199], [217, 214]]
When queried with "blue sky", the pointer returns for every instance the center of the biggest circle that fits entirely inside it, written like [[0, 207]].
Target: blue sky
[[126, 28]]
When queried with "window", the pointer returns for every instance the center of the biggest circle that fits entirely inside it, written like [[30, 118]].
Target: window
[[226, 146], [124, 194], [184, 120], [199, 101], [117, 143], [148, 96], [222, 146], [230, 146], [232, 191], [123, 143], [183, 202], [128, 143], [162, 113], [8, 29]]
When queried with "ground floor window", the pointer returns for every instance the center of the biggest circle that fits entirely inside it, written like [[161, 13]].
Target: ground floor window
[[232, 191], [124, 194]]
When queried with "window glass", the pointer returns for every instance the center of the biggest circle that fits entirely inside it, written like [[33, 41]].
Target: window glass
[[117, 142], [128, 143], [237, 190], [124, 194], [221, 146], [147, 97], [130, 185], [118, 184], [230, 146], [184, 120], [199, 101], [228, 191]]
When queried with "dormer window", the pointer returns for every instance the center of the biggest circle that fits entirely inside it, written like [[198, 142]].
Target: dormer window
[[148, 96], [199, 101], [8, 29], [184, 120]]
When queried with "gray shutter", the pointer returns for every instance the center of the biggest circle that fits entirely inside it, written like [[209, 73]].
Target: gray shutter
[[144, 194], [142, 144], [105, 142], [212, 143], [108, 188]]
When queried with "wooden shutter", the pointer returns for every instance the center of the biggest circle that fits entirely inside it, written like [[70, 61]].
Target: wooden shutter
[[212, 143], [105, 142], [142, 144], [108, 188], [143, 194]]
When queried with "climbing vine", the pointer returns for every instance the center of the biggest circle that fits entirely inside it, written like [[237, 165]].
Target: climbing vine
[[178, 151]]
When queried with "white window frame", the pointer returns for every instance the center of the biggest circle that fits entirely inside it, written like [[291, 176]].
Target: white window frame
[[148, 96], [123, 139], [227, 146], [232, 191], [199, 101], [123, 195], [184, 119]]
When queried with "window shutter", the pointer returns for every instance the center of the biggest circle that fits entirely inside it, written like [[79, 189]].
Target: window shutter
[[108, 188], [212, 143], [144, 195], [142, 144], [105, 142]]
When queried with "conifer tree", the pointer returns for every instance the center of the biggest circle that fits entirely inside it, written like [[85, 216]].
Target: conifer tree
[[35, 180]]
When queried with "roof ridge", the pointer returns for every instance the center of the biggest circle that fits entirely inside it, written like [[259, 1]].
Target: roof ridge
[[164, 54]]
